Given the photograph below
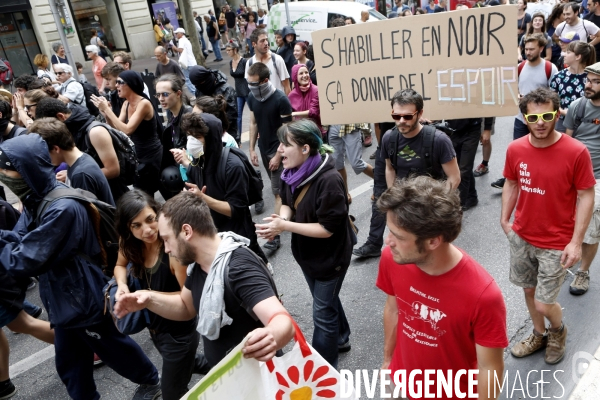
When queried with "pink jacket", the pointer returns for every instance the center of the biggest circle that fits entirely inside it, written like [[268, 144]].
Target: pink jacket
[[309, 100]]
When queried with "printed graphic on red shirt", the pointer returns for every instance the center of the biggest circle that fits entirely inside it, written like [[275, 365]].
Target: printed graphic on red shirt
[[525, 180], [419, 310]]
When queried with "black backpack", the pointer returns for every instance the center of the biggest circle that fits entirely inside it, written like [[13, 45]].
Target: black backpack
[[102, 216], [124, 147], [428, 139], [265, 271], [255, 183], [88, 91]]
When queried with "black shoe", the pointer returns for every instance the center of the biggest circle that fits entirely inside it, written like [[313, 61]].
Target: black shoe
[[344, 348], [367, 250], [38, 313], [218, 59], [273, 244], [32, 284], [7, 389], [147, 392], [259, 207], [201, 366], [470, 204], [499, 184]]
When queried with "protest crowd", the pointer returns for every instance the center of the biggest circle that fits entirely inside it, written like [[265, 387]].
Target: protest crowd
[[136, 212]]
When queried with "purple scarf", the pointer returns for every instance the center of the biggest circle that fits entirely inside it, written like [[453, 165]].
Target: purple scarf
[[293, 177]]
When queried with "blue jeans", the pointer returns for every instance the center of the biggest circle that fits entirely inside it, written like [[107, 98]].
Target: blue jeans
[[29, 308], [520, 129], [250, 48], [331, 326], [241, 102], [216, 45], [188, 83]]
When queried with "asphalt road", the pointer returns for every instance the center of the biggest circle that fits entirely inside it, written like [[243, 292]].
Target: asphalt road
[[32, 362]]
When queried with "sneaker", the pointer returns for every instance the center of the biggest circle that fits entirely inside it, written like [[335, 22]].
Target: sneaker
[[530, 345], [499, 184], [555, 351], [273, 244], [38, 313], [367, 250], [218, 60], [147, 392], [7, 389], [373, 156], [344, 348], [259, 207], [97, 360], [470, 204], [580, 284], [481, 170], [32, 284]]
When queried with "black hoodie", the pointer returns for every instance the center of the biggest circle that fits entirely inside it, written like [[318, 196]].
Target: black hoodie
[[77, 123], [287, 50], [211, 83], [326, 203]]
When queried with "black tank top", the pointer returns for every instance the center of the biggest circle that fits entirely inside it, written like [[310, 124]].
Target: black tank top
[[160, 279], [145, 137]]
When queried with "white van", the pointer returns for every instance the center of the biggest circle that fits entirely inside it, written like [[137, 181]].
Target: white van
[[310, 16]]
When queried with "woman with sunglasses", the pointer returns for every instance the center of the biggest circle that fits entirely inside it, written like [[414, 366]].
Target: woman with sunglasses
[[570, 82], [315, 210], [142, 255], [139, 120]]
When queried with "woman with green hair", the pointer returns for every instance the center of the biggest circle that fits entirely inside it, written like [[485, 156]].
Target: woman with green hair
[[315, 210]]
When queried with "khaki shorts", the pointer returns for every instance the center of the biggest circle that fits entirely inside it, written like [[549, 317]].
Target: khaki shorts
[[592, 234], [532, 267]]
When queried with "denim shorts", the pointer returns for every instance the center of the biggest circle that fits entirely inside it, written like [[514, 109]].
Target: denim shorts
[[7, 316]]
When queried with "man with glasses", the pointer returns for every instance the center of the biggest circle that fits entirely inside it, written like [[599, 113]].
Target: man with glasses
[[71, 92], [534, 73], [550, 182], [405, 150], [581, 123]]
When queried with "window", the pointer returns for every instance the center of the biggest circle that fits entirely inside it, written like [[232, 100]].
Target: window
[[104, 17], [18, 43]]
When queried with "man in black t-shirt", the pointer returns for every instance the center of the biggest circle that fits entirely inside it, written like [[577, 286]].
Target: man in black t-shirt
[[594, 16], [407, 110], [269, 108], [83, 173], [189, 234], [165, 65]]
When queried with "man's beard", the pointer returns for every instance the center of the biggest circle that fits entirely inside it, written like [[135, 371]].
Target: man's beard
[[186, 255]]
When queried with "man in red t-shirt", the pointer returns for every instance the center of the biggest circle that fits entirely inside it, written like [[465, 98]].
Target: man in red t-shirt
[[546, 173], [443, 310]]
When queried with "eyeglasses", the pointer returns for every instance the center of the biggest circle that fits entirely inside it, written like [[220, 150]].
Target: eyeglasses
[[546, 117], [120, 82], [28, 106], [407, 117], [60, 73], [163, 94]]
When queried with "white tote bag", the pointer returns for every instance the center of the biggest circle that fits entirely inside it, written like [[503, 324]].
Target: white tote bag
[[301, 374]]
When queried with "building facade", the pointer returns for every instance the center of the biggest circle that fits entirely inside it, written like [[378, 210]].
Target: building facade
[[27, 27]]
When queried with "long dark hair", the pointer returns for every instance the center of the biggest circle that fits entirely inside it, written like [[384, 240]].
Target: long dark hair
[[128, 207], [534, 16], [216, 106], [556, 13]]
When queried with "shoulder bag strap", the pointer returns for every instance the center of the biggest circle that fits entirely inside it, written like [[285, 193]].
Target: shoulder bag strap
[[301, 195]]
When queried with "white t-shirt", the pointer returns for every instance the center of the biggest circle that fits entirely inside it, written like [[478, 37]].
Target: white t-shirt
[[278, 70], [584, 32], [187, 55]]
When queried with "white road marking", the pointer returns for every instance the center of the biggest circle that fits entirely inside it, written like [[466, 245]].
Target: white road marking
[[31, 361], [361, 189]]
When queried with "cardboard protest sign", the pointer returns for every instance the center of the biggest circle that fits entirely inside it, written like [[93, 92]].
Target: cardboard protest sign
[[462, 62]]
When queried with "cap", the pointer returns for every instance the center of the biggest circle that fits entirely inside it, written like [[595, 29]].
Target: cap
[[6, 95], [570, 37], [179, 30], [594, 68]]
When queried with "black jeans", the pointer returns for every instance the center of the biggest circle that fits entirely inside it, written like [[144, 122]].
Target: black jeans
[[178, 353], [465, 144], [377, 228]]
